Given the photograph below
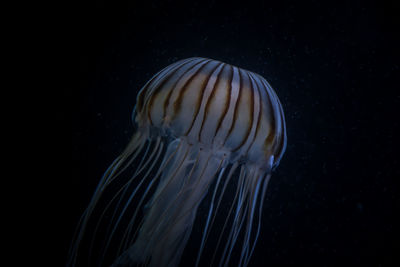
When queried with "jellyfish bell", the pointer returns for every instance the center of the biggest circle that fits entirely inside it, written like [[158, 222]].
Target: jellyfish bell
[[201, 123]]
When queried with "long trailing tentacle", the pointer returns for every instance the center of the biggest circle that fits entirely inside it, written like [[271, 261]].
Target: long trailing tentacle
[[135, 146], [249, 195], [210, 211], [238, 222], [266, 181], [254, 190], [167, 214], [240, 184], [169, 220], [174, 216], [170, 180], [123, 188], [141, 201], [179, 153], [200, 187], [152, 158], [227, 181], [207, 185], [128, 231]]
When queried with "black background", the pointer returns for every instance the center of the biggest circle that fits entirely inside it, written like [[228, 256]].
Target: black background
[[332, 201]]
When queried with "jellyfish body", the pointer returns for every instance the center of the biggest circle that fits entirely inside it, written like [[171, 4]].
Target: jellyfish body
[[201, 124]]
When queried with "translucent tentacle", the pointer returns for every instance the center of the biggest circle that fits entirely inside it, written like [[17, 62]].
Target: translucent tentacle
[[228, 179], [266, 181], [169, 220], [123, 188], [153, 157], [239, 218], [127, 233], [252, 205], [240, 184], [205, 231], [135, 145]]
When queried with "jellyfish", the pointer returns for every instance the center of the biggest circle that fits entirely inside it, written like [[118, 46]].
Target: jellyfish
[[201, 125]]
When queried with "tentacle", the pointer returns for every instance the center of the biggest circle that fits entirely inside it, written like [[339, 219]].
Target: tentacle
[[183, 177], [228, 179], [135, 146], [255, 187], [234, 235], [180, 215], [169, 220], [172, 203], [169, 156], [266, 181], [136, 253], [240, 184], [123, 188], [152, 158], [241, 210], [205, 231]]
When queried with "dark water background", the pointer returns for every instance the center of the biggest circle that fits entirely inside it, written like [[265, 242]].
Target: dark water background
[[333, 199]]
